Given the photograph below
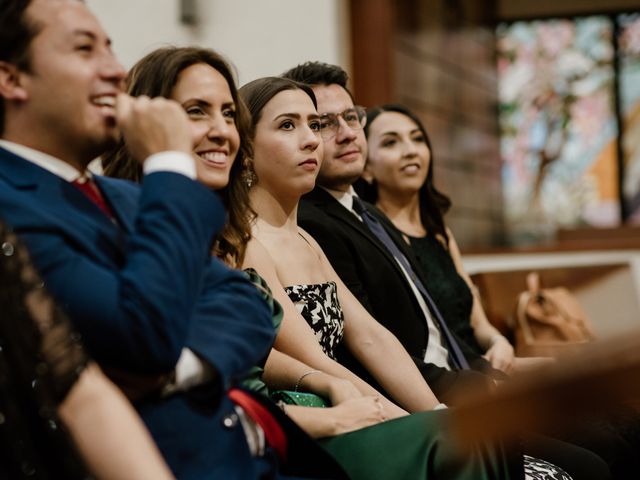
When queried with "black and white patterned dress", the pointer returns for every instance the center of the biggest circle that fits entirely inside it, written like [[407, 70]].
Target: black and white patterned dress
[[536, 469], [319, 305]]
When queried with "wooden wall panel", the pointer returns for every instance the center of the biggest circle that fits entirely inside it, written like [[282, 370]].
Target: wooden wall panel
[[476, 191], [518, 9], [371, 36], [444, 70], [473, 232], [438, 58]]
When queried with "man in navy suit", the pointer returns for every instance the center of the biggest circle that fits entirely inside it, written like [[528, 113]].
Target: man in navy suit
[[131, 266]]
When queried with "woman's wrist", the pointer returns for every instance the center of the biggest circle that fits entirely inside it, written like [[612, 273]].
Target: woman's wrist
[[325, 384], [316, 422], [498, 337], [299, 384]]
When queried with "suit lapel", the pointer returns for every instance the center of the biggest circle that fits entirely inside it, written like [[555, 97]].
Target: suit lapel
[[61, 204], [323, 200]]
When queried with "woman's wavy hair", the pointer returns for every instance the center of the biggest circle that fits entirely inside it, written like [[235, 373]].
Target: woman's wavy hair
[[156, 75], [433, 203]]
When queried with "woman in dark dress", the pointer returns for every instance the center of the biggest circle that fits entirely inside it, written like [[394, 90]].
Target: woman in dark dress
[[399, 176], [59, 415]]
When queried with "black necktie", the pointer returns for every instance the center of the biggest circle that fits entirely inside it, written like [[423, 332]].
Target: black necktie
[[455, 353]]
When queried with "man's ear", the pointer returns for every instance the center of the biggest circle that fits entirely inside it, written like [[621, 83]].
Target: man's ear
[[11, 87]]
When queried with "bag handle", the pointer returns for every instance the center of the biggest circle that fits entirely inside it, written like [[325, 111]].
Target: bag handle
[[533, 289], [533, 283]]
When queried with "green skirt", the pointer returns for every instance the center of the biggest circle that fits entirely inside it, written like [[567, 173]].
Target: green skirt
[[420, 446]]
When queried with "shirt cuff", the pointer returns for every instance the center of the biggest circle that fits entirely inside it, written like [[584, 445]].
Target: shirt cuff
[[190, 371], [171, 161], [440, 406]]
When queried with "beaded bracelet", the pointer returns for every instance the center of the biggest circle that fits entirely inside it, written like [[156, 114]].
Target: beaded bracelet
[[310, 372]]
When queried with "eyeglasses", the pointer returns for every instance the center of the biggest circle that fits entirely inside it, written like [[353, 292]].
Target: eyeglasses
[[355, 118]]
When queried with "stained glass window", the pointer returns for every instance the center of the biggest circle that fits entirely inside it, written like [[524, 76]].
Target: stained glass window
[[629, 55], [559, 127]]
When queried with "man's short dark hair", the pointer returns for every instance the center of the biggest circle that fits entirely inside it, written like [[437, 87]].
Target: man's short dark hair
[[16, 34], [318, 73]]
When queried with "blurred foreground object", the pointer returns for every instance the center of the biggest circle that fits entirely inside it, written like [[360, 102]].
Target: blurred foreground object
[[595, 381]]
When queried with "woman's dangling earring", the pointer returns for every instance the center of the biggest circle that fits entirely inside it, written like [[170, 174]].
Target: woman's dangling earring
[[249, 176]]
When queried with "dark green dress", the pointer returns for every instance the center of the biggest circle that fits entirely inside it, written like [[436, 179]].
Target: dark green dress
[[447, 288]]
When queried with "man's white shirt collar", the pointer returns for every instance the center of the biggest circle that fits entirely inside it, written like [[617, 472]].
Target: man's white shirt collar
[[46, 161], [345, 198]]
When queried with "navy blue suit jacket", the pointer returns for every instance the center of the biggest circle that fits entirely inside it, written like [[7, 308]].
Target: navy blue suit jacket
[[140, 290]]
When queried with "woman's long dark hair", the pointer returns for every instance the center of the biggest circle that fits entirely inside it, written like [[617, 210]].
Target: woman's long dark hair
[[433, 203], [156, 75]]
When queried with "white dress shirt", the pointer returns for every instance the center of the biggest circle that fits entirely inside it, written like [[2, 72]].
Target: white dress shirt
[[190, 370], [435, 353]]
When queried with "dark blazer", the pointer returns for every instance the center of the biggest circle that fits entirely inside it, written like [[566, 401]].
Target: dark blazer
[[141, 290], [375, 278]]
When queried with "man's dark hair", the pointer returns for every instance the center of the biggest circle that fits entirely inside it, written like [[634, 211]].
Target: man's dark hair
[[16, 34], [318, 73]]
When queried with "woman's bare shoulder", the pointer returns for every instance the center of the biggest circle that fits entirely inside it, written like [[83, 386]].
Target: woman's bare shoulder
[[257, 255], [311, 241]]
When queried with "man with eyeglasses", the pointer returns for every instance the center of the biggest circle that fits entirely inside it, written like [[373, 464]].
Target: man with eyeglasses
[[371, 269]]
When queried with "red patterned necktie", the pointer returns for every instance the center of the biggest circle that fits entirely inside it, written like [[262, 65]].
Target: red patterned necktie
[[90, 189]]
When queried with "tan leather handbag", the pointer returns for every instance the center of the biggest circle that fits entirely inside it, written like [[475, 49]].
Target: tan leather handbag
[[549, 321]]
